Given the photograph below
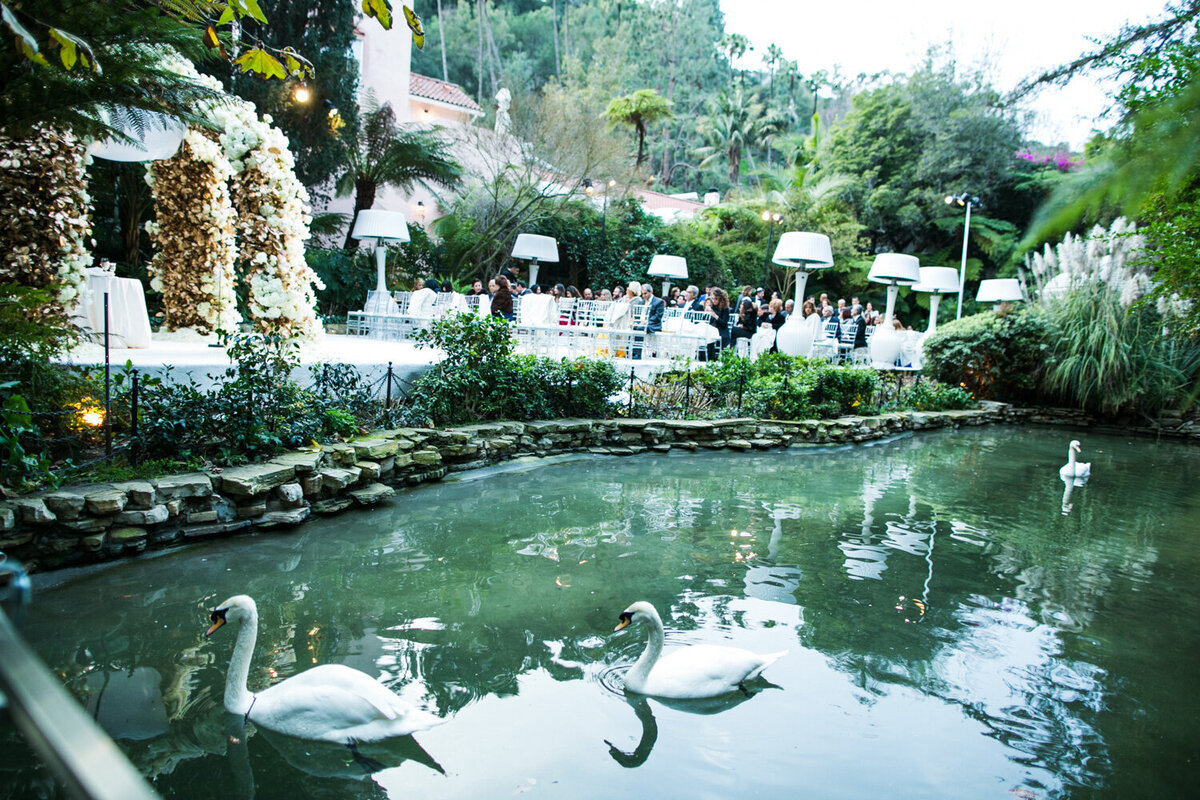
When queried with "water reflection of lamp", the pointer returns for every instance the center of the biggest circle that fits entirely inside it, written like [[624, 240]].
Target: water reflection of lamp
[[667, 267], [536, 248], [893, 269], [803, 252], [382, 226]]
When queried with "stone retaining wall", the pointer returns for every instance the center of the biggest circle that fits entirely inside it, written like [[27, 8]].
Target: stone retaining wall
[[90, 523]]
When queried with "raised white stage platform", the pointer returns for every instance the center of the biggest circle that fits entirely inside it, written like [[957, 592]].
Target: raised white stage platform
[[189, 356]]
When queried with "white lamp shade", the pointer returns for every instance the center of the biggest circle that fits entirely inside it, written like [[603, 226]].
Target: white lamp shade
[[803, 250], [999, 290], [372, 224], [895, 268], [531, 245], [159, 138], [941, 280], [668, 267]]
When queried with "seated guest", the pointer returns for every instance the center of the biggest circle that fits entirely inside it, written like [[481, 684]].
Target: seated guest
[[747, 322], [717, 306], [789, 307], [476, 288], [775, 318], [519, 289], [502, 300], [654, 318], [605, 296], [587, 293], [447, 287]]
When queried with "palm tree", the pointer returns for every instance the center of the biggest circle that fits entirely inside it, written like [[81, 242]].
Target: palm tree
[[639, 110], [378, 153], [734, 124]]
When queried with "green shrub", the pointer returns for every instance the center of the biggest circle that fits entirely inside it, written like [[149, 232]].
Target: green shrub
[[481, 379], [778, 386], [927, 396], [1113, 360], [992, 356], [256, 411]]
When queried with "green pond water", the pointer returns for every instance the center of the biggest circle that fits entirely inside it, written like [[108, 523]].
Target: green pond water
[[954, 630]]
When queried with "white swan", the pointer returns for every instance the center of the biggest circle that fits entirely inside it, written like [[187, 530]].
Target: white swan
[[332, 702], [1074, 469], [701, 670]]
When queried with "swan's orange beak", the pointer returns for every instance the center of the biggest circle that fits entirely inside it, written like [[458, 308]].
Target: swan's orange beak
[[218, 619], [626, 618]]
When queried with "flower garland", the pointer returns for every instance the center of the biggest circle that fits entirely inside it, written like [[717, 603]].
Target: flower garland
[[44, 215], [193, 236]]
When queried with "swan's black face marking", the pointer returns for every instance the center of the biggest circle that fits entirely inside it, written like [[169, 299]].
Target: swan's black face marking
[[218, 618], [626, 618]]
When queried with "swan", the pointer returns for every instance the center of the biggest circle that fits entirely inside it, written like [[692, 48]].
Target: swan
[[1073, 468], [331, 703], [702, 670]]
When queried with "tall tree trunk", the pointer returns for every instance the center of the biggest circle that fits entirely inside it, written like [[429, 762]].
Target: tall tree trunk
[[442, 40], [640, 127], [495, 65], [557, 58], [566, 30], [735, 167], [479, 53], [364, 198]]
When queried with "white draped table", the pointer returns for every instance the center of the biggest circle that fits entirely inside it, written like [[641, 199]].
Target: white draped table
[[128, 322]]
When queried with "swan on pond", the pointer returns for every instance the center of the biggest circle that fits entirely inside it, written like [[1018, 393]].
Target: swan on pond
[[1075, 469], [331, 703], [700, 670]]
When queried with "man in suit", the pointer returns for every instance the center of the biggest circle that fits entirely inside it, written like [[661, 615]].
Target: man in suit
[[654, 318]]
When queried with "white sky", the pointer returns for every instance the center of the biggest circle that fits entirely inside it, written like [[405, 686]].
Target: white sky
[[1014, 38]]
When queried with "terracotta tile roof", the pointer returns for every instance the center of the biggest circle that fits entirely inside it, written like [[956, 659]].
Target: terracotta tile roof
[[654, 200], [433, 89]]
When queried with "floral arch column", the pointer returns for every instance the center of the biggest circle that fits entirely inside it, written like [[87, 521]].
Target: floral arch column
[[44, 218], [193, 236]]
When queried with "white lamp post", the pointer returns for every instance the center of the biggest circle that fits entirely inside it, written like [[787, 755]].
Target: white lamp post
[[536, 248], [668, 267], [803, 252], [999, 291], [893, 269], [382, 226], [963, 200], [937, 281]]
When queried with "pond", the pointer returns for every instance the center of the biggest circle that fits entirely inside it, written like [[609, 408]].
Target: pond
[[955, 629]]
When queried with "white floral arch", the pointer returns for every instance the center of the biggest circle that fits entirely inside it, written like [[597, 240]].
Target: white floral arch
[[226, 198]]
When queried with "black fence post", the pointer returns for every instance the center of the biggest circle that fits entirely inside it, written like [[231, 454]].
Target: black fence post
[[133, 406], [687, 393], [632, 378], [107, 387], [570, 394], [387, 406]]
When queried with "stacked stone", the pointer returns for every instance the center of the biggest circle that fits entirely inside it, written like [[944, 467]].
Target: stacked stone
[[99, 522]]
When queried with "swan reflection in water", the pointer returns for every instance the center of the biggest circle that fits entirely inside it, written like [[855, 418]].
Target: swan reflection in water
[[641, 707], [1069, 485], [319, 759]]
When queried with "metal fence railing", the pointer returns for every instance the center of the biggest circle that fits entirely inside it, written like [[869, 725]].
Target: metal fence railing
[[78, 753]]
